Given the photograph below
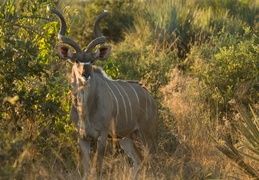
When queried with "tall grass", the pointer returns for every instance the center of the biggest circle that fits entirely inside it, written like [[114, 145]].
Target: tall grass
[[184, 23]]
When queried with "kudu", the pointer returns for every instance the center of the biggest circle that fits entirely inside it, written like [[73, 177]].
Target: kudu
[[102, 107]]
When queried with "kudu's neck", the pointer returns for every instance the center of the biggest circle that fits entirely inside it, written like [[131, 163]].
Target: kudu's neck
[[83, 96], [84, 93]]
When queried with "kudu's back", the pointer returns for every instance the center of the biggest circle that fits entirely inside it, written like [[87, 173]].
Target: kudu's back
[[134, 110]]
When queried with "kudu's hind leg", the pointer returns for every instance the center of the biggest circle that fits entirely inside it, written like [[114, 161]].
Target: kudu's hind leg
[[149, 142], [85, 151], [129, 146], [148, 133]]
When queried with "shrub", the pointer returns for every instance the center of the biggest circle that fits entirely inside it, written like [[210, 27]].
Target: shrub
[[32, 107], [228, 65]]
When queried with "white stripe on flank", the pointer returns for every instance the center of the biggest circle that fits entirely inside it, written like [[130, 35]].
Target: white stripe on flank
[[135, 93], [115, 85], [150, 105], [128, 100], [146, 102], [116, 100]]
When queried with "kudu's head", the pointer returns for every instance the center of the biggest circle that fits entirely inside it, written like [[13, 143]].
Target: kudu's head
[[82, 59]]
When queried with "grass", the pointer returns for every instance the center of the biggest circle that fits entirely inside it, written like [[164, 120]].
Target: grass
[[185, 149]]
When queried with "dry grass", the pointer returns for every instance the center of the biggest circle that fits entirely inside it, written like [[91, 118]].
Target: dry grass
[[185, 146], [185, 149], [196, 157]]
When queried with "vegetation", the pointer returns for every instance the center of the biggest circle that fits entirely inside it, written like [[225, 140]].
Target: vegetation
[[199, 59]]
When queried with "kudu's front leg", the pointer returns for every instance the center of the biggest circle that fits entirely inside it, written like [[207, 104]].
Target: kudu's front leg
[[85, 151], [101, 146]]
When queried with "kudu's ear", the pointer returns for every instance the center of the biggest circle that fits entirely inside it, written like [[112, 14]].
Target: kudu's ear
[[64, 51], [103, 52]]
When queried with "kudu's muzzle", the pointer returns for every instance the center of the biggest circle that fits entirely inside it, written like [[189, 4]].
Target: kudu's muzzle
[[86, 74]]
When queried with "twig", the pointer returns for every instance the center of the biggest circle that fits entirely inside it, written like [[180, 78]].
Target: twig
[[26, 28], [37, 17]]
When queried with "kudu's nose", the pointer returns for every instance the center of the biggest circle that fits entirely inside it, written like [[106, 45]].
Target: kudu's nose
[[85, 79], [86, 75]]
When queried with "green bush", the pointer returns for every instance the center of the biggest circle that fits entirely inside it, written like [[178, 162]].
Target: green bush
[[33, 109], [228, 66]]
